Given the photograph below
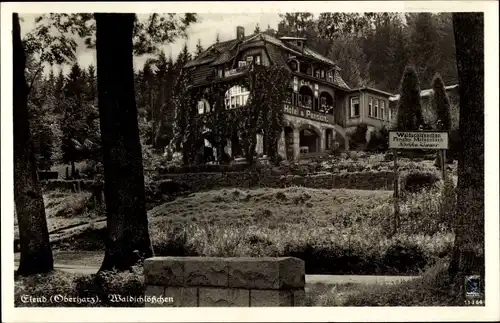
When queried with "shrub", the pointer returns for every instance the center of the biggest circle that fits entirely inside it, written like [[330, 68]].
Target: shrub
[[416, 181], [432, 289], [379, 140], [358, 139]]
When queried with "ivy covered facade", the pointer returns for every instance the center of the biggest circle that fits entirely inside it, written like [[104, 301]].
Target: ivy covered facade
[[262, 95]]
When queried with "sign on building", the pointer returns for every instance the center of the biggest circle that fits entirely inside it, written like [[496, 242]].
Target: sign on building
[[418, 140]]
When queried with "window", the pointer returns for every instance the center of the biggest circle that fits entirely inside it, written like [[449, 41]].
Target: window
[[257, 60], [242, 63], [376, 109], [201, 107], [390, 114], [329, 76], [249, 59], [235, 97], [382, 109], [323, 101], [355, 106], [322, 74], [370, 106], [221, 73], [317, 74]]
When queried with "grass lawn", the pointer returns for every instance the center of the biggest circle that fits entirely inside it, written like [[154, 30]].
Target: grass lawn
[[334, 231], [66, 212]]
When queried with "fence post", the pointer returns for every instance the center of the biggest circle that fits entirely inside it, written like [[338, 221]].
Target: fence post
[[396, 191]]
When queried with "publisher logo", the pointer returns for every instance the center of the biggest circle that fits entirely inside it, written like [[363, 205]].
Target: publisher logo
[[473, 286]]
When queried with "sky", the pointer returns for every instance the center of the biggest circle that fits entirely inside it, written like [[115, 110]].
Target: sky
[[205, 29]]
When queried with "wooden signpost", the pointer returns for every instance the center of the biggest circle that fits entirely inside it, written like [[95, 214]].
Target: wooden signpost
[[398, 140]]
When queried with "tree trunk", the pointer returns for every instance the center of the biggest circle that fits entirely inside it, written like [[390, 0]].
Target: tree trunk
[[468, 253], [128, 238], [36, 254]]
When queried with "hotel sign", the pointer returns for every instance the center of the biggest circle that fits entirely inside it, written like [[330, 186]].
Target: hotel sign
[[308, 114], [418, 140]]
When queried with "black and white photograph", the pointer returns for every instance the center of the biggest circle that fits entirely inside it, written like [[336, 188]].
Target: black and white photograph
[[275, 157]]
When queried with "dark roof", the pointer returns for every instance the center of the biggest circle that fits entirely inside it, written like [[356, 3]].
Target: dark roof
[[278, 51], [339, 81]]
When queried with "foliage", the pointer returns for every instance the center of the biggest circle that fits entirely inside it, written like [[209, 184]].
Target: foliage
[[374, 48], [334, 231], [358, 138], [379, 140], [261, 115], [441, 104], [53, 37], [409, 110]]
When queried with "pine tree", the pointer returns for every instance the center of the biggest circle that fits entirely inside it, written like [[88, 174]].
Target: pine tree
[[409, 109], [217, 38], [199, 49], [183, 57]]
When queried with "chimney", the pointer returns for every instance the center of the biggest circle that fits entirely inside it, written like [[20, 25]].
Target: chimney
[[240, 33]]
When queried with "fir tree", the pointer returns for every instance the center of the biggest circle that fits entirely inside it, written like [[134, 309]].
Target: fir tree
[[199, 48], [409, 109], [441, 104]]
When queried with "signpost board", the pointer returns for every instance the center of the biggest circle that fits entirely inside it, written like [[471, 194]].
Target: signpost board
[[418, 140], [435, 140]]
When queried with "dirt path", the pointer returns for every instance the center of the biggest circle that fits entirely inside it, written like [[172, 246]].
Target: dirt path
[[88, 262]]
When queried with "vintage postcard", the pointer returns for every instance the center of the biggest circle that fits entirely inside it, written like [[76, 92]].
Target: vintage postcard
[[250, 161]]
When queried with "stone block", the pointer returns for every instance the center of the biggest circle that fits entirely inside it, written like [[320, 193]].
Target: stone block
[[206, 271], [265, 298], [153, 291], [223, 297], [266, 273], [182, 296], [166, 271], [299, 297]]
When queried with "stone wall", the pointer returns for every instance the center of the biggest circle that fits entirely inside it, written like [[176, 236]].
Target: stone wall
[[357, 180], [195, 182], [224, 282]]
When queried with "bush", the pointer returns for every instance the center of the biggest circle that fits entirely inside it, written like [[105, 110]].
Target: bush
[[358, 139], [379, 140], [432, 289], [417, 181]]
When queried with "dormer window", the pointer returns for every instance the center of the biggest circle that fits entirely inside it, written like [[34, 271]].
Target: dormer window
[[329, 76]]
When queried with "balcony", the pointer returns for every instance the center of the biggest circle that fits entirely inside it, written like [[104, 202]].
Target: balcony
[[236, 71]]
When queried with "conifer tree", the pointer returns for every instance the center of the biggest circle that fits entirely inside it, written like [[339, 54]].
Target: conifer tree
[[199, 48], [441, 104], [409, 109]]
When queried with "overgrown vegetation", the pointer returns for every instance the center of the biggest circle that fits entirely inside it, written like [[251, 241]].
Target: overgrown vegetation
[[336, 231]]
